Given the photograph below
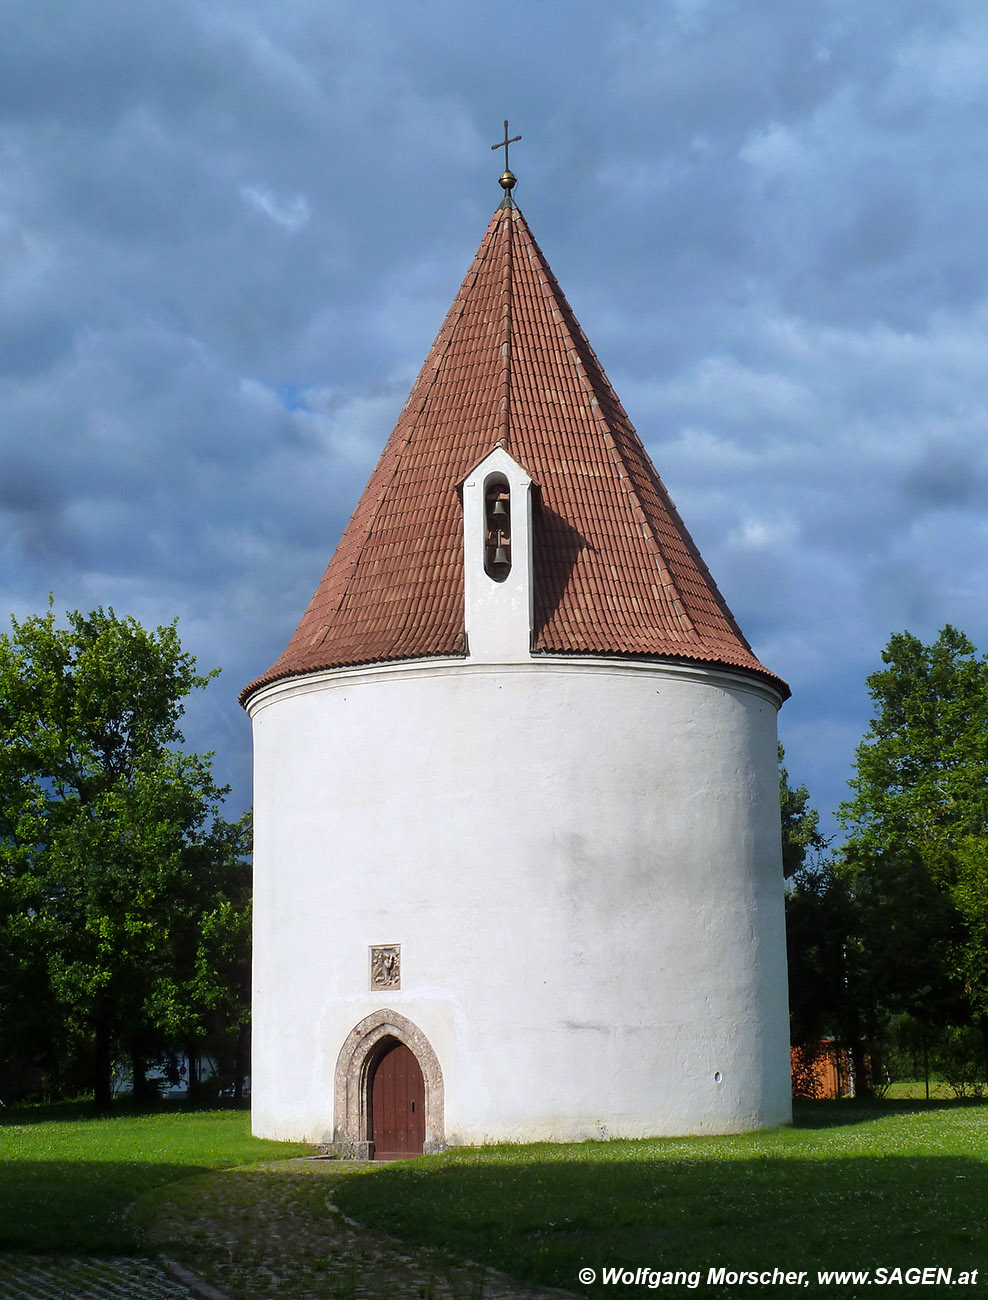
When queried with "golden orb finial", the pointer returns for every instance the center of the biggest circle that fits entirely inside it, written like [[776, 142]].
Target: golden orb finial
[[507, 179]]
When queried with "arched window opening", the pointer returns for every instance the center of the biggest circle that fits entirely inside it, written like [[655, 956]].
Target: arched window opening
[[497, 528]]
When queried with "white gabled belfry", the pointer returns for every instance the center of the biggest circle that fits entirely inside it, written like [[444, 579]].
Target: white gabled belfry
[[517, 850], [498, 593]]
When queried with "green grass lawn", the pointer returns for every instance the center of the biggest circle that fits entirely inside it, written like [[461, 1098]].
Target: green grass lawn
[[915, 1090], [849, 1186], [71, 1181]]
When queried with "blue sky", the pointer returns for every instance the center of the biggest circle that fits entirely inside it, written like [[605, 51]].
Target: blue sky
[[230, 231]]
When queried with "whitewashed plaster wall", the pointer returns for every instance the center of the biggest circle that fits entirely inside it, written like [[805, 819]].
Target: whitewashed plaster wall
[[580, 860]]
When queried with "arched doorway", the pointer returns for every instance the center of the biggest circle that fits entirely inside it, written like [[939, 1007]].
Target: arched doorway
[[397, 1103], [366, 1050]]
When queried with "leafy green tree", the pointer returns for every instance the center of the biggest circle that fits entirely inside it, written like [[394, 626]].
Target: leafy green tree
[[820, 918], [32, 1028], [820, 922], [916, 857], [213, 1003], [108, 831], [922, 769], [970, 896], [800, 822]]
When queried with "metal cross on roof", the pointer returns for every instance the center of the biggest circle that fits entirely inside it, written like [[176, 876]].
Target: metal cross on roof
[[507, 180]]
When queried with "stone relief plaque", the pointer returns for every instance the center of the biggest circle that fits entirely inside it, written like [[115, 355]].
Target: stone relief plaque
[[385, 966]]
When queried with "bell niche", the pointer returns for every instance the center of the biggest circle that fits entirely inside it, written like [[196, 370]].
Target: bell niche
[[497, 559]]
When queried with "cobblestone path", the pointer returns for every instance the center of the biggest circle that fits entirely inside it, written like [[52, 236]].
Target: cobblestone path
[[57, 1277], [275, 1233], [269, 1233]]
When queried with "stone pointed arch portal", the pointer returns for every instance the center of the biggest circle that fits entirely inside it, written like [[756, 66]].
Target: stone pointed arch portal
[[364, 1046]]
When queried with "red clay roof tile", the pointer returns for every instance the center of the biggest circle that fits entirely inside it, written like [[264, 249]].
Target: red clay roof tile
[[616, 572]]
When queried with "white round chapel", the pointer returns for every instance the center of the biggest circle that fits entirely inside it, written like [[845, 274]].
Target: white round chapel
[[517, 848]]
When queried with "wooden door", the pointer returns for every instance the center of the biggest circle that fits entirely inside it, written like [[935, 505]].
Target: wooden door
[[397, 1105]]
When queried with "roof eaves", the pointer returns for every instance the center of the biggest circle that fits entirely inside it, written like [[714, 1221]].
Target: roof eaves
[[700, 660], [269, 679]]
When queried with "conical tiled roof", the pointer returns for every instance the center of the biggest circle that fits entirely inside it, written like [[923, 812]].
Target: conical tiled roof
[[615, 571]]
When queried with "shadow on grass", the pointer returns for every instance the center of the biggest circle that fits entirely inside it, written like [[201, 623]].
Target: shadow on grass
[[79, 1206], [545, 1221], [855, 1110], [66, 1111]]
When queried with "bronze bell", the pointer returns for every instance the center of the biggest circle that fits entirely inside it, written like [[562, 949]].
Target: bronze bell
[[501, 556], [499, 512]]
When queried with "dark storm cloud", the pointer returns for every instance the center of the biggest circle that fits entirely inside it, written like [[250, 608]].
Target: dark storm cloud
[[951, 475], [229, 232]]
